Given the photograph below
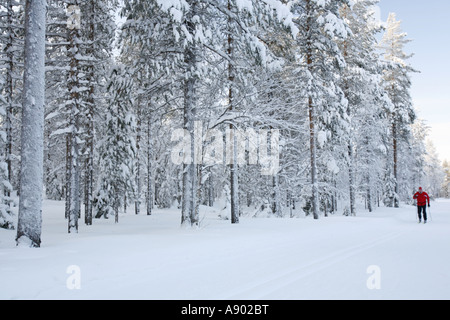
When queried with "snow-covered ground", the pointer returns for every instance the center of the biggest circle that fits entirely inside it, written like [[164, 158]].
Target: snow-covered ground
[[382, 255]]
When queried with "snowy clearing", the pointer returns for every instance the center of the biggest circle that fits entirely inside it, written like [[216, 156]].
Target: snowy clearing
[[382, 255]]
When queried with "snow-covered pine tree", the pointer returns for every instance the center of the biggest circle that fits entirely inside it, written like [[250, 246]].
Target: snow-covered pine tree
[[320, 26], [397, 85], [150, 48], [420, 165], [242, 49], [276, 107], [361, 83], [32, 152], [98, 29], [370, 136], [11, 54], [434, 171], [79, 49], [117, 149], [181, 47], [191, 23], [92, 79], [64, 101], [6, 214], [414, 162], [446, 183], [57, 66]]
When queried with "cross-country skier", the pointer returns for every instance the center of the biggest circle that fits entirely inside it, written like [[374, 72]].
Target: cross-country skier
[[422, 199]]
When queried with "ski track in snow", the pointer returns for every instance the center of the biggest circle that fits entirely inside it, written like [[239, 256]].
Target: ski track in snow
[[276, 283], [151, 257]]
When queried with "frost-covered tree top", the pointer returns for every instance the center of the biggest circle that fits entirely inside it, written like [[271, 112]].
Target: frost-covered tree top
[[394, 41]]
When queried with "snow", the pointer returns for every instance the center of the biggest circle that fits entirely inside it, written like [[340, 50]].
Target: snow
[[335, 26], [333, 166], [61, 131], [321, 3], [176, 14], [321, 138], [381, 255], [245, 5], [169, 5], [284, 14]]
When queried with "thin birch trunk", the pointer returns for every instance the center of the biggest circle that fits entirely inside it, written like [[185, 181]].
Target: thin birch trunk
[[73, 86], [89, 181], [188, 212], [312, 130], [234, 183]]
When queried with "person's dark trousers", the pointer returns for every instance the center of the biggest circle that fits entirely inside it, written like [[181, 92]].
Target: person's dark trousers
[[420, 210]]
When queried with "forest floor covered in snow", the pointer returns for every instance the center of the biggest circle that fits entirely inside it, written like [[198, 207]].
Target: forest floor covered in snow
[[382, 255]]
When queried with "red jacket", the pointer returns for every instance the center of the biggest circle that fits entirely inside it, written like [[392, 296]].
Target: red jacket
[[422, 198]]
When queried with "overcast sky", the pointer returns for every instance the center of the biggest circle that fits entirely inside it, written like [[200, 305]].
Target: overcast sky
[[427, 23]]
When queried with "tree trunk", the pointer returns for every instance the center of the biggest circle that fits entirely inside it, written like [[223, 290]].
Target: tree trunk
[[188, 212], [313, 155], [395, 151], [234, 183], [313, 160], [89, 181], [73, 86], [74, 211], [368, 181], [116, 205], [351, 161], [351, 178], [334, 197], [210, 189], [125, 200], [89, 197], [137, 202], [369, 195], [32, 152], [149, 169], [67, 176], [312, 130], [88, 194], [276, 203]]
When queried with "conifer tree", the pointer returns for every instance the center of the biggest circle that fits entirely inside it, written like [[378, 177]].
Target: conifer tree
[[320, 25], [361, 83], [11, 55], [117, 149], [397, 84]]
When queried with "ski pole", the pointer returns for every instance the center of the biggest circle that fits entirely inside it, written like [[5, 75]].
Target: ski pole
[[429, 213], [415, 204]]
